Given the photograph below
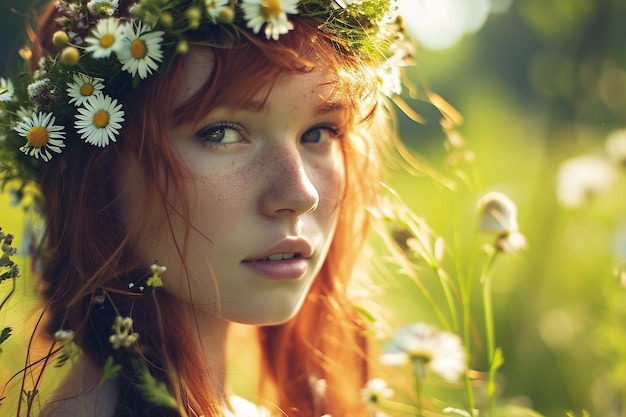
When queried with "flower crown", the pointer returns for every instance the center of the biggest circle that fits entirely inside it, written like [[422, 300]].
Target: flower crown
[[99, 55]]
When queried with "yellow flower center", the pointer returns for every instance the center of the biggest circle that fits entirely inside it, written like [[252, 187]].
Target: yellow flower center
[[138, 49], [86, 89], [37, 136], [421, 355], [107, 40], [101, 119], [270, 8]]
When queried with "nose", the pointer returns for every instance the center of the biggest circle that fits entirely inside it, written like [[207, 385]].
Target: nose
[[289, 190]]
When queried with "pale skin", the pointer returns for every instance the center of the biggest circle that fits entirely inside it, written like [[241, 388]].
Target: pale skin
[[264, 190]]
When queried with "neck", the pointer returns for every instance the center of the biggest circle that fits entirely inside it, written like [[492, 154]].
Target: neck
[[227, 349], [210, 334]]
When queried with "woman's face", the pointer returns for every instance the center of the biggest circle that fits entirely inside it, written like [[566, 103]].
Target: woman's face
[[264, 191]]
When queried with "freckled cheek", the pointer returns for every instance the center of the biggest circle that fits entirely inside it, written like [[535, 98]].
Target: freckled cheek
[[218, 191], [330, 182]]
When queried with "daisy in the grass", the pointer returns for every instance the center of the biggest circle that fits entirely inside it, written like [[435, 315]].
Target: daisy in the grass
[[99, 121], [42, 135], [141, 50], [375, 390], [83, 87], [6, 90], [272, 13], [419, 343], [107, 37], [498, 214]]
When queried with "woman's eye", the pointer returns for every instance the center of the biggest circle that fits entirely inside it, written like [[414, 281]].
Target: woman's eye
[[318, 134], [220, 133]]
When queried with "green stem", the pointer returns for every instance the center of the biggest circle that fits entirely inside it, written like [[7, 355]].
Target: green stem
[[490, 333], [465, 288], [447, 289], [395, 407], [409, 269], [418, 371], [469, 392]]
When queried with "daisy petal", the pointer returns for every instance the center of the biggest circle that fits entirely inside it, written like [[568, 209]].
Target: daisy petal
[[99, 121], [141, 50], [41, 134]]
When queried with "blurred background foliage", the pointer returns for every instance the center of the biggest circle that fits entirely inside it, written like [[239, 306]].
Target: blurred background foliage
[[537, 82]]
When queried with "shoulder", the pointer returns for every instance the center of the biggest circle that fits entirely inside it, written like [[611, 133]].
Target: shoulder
[[82, 394]]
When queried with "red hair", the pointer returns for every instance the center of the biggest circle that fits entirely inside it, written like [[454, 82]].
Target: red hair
[[90, 253]]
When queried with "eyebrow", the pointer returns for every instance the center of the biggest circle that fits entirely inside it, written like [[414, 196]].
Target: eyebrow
[[326, 107]]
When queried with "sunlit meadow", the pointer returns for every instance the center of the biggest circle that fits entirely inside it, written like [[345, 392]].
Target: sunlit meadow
[[540, 89]]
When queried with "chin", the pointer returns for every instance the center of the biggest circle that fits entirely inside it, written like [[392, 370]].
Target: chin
[[262, 317]]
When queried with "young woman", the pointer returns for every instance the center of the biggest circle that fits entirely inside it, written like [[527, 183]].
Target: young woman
[[232, 143]]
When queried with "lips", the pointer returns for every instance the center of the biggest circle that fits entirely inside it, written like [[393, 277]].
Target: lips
[[285, 260], [280, 257], [284, 249]]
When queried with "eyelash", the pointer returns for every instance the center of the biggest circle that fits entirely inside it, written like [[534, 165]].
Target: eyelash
[[202, 134], [335, 132]]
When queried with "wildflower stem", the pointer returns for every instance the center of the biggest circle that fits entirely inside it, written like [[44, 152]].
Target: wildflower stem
[[11, 291], [465, 286], [467, 335], [447, 289], [490, 331], [469, 393], [409, 269], [440, 316], [418, 371], [395, 406]]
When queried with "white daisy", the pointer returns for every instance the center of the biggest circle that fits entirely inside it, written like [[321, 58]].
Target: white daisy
[[141, 50], [83, 87], [389, 73], [215, 7], [42, 135], [99, 120], [498, 213], [6, 90], [102, 7], [389, 79], [441, 352], [271, 13], [616, 146], [584, 178], [107, 37], [375, 390]]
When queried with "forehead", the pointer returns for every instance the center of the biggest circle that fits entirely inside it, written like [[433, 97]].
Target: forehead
[[199, 64]]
